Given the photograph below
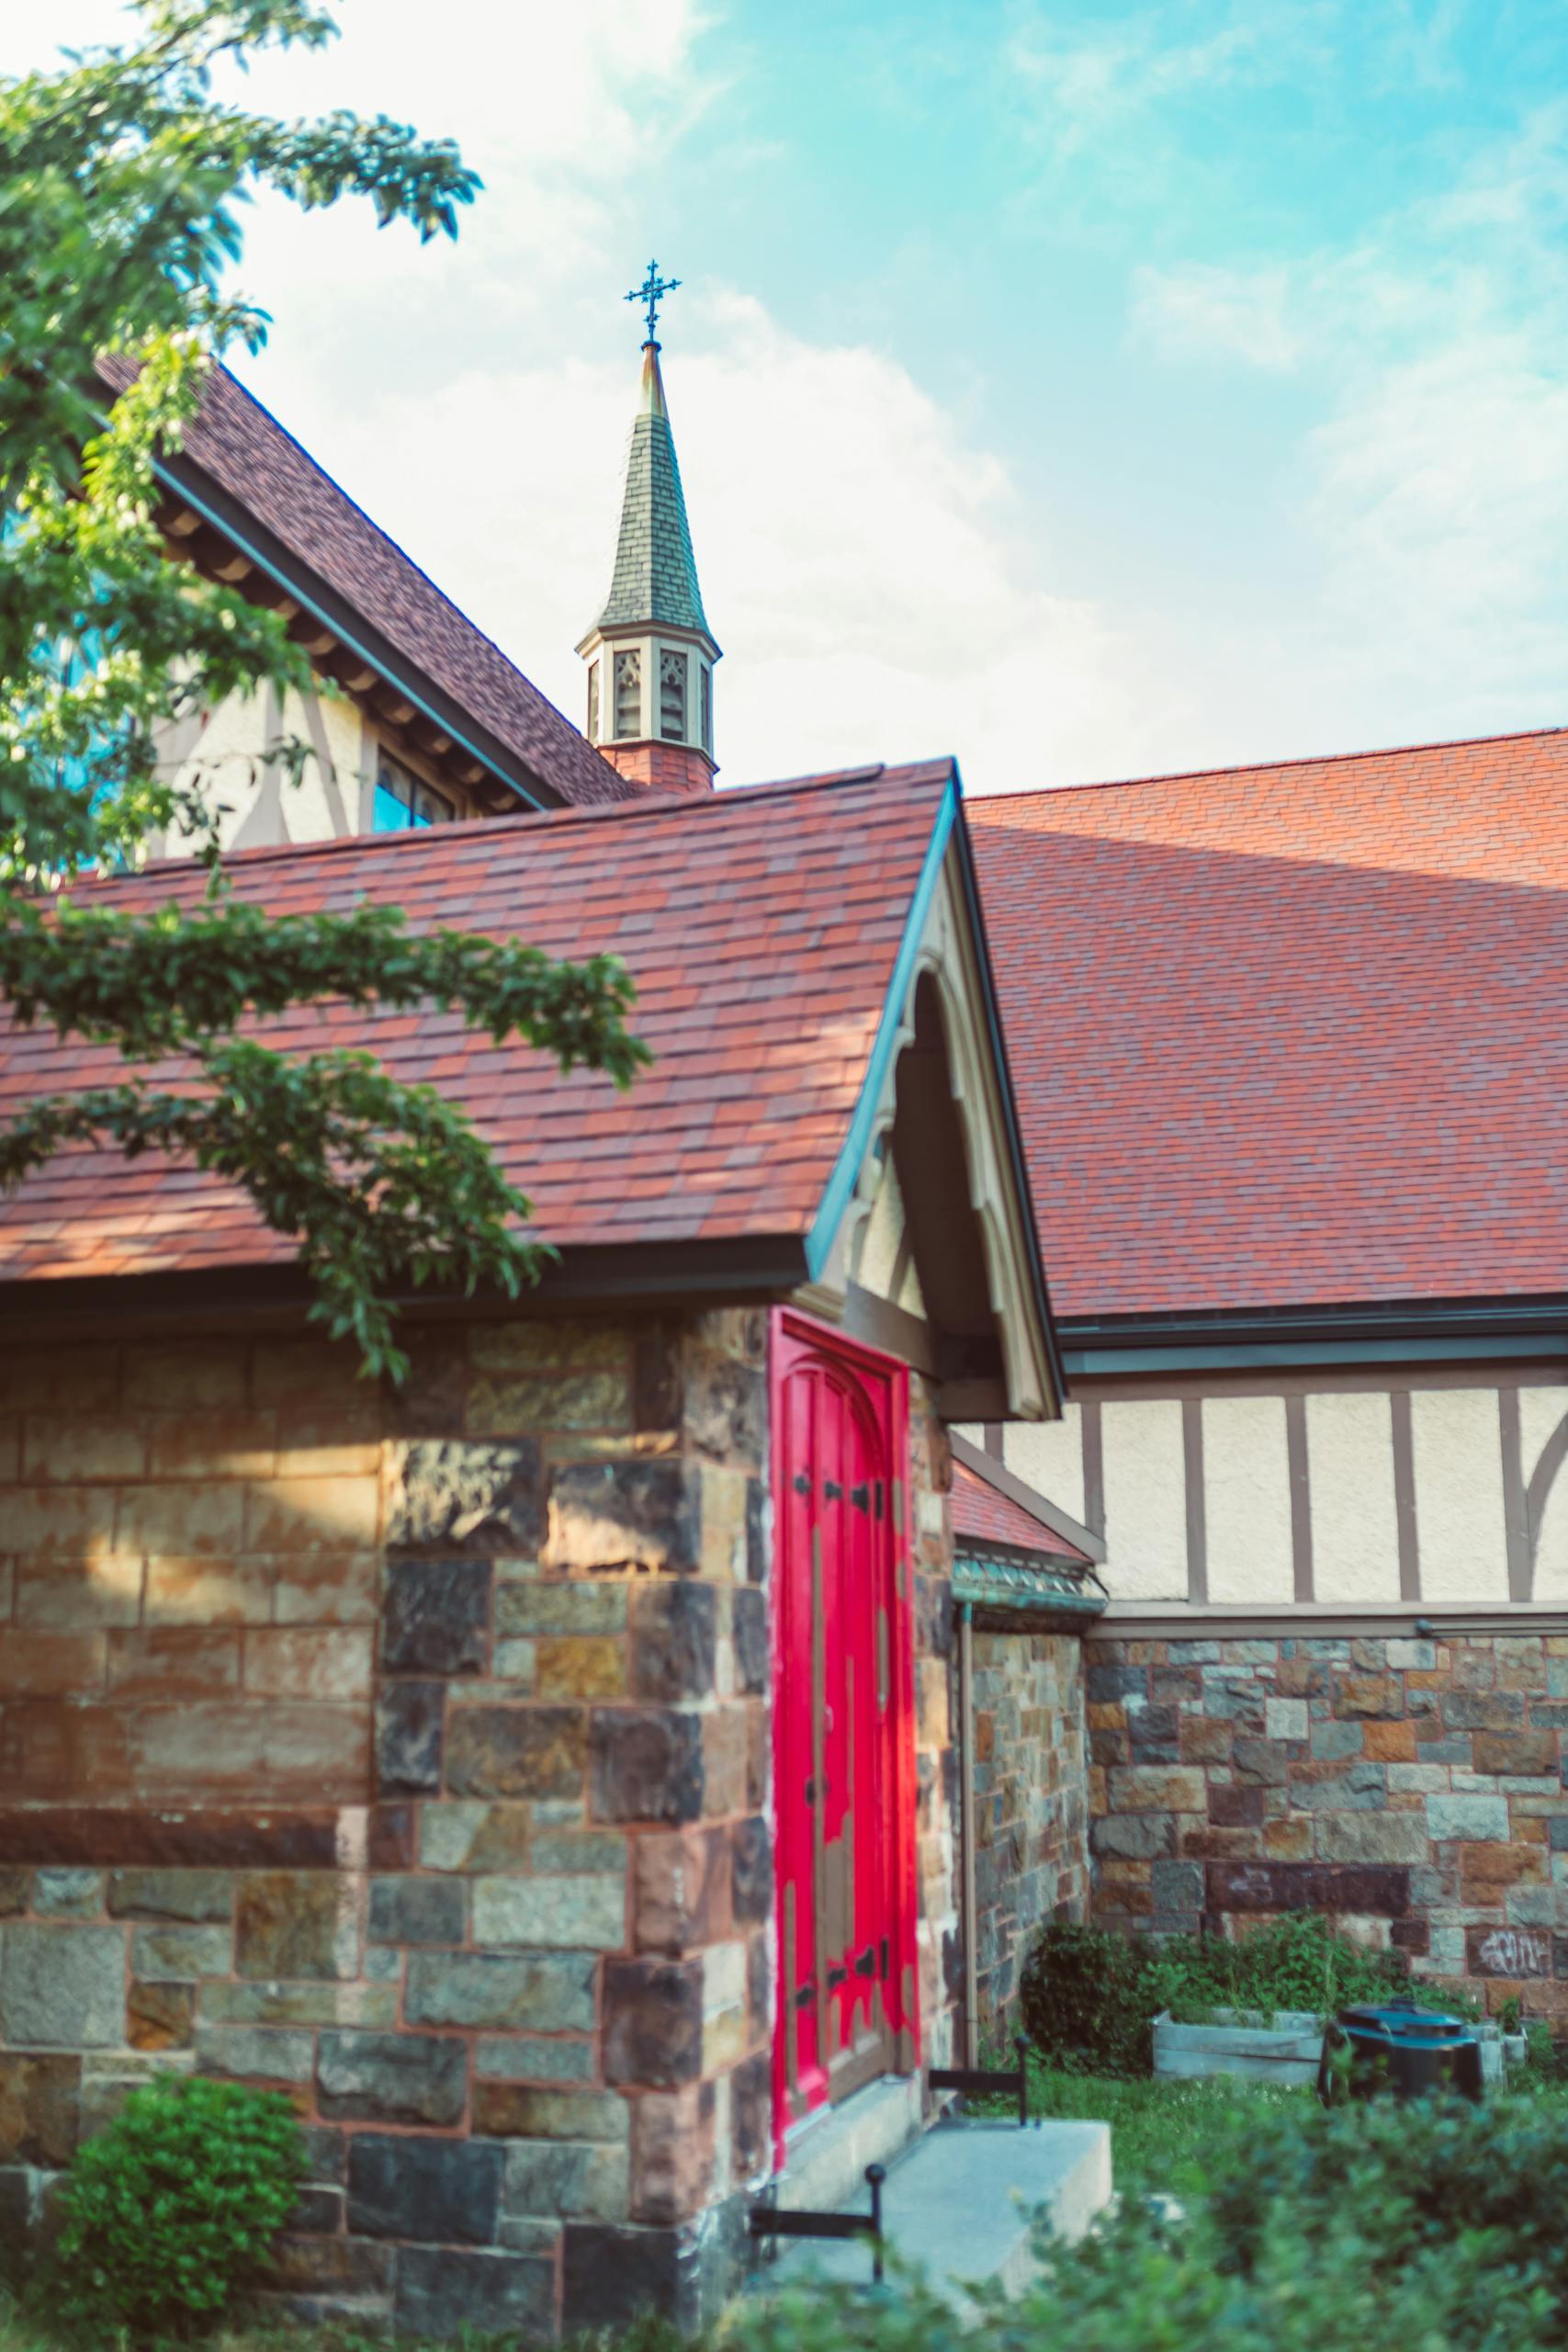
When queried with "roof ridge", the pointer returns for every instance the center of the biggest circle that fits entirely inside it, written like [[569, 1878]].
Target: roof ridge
[[382, 533], [1260, 767], [429, 837]]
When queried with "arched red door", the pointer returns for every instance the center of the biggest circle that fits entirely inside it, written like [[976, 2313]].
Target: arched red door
[[843, 1746]]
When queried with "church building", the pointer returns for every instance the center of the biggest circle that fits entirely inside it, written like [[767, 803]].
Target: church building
[[574, 1777], [617, 1767]]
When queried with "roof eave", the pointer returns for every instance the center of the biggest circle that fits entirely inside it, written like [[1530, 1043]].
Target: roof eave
[[183, 478]]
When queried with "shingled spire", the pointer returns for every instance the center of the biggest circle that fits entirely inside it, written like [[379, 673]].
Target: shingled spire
[[650, 653]]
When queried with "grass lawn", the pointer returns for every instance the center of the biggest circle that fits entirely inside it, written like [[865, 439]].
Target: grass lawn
[[1160, 2131]]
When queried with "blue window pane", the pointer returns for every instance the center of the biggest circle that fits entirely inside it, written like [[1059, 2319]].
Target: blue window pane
[[392, 815]]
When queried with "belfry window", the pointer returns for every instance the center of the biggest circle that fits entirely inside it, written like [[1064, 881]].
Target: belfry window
[[707, 709], [672, 696], [628, 693]]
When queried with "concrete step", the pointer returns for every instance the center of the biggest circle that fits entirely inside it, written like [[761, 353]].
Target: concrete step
[[826, 2156], [961, 2206]]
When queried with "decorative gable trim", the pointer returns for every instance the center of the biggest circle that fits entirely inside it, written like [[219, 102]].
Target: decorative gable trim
[[944, 939]]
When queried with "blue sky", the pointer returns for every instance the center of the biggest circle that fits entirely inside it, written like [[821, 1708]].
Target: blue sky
[[1090, 390]]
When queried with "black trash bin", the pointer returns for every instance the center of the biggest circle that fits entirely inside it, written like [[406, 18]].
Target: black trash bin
[[1401, 2048]]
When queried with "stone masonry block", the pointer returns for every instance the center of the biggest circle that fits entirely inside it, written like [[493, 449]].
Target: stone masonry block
[[436, 1617], [647, 1764], [673, 2154], [682, 1889], [1135, 1835], [37, 2107], [416, 1911], [610, 2274], [523, 1751], [653, 2022], [539, 1605], [1468, 1816], [625, 1514], [552, 1911], [749, 1632], [547, 1992], [524, 2111], [409, 1719], [408, 2186], [535, 2058], [1521, 1752], [751, 1851], [442, 2291], [673, 1641], [68, 1893], [392, 2077], [62, 1987], [293, 1924], [1372, 1838], [161, 2017], [171, 1955], [1285, 1718], [566, 2180], [1159, 1789], [459, 1494], [467, 1835], [255, 2053], [199, 1896]]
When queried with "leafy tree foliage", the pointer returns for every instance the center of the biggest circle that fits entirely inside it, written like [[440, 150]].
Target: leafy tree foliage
[[120, 179]]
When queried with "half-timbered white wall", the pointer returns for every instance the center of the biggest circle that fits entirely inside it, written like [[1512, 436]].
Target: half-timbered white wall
[[225, 754], [1441, 1487]]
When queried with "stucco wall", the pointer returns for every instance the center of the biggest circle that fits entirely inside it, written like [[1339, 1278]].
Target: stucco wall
[[1443, 1485]]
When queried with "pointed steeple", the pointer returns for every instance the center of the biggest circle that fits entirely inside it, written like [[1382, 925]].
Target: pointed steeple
[[656, 572], [650, 653]]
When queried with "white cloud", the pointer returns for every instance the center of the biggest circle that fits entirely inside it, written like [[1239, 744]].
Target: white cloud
[[1209, 311], [1434, 482], [860, 562]]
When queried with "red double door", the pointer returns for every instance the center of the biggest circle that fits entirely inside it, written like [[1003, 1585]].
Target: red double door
[[844, 1735]]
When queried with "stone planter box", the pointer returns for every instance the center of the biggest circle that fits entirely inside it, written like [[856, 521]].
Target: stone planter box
[[1240, 2042]]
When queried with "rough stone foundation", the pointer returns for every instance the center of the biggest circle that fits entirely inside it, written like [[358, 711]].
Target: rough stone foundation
[[1412, 1788]]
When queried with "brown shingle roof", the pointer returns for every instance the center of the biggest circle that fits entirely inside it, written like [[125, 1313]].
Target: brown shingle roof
[[242, 447], [1294, 1035], [761, 928]]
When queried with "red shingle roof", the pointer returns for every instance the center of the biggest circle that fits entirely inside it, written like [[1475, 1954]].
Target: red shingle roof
[[761, 928], [987, 1516], [1293, 1034], [243, 447]]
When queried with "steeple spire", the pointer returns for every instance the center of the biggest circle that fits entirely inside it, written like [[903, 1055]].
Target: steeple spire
[[650, 653]]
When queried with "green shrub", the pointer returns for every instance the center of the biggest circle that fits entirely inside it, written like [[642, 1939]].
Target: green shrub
[[1090, 1996], [1434, 2226], [171, 2208]]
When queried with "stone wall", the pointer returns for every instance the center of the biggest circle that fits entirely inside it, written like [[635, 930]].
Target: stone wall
[[936, 1756], [1030, 1803], [1412, 1788], [410, 1753]]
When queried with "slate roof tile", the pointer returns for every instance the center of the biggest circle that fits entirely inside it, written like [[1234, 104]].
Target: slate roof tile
[[987, 1516], [1293, 1034], [761, 1043], [244, 450]]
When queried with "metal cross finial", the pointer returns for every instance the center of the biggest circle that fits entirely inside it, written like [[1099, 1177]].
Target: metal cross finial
[[651, 293]]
